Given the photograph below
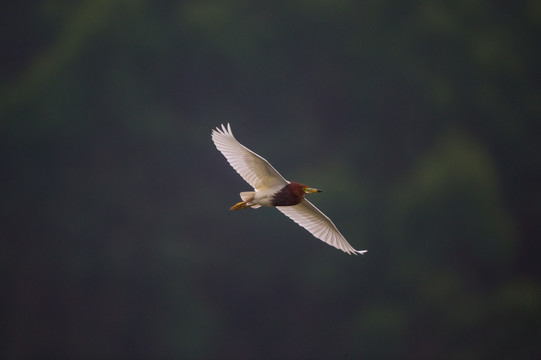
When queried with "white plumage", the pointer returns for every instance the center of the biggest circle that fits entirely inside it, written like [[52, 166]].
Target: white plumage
[[266, 181]]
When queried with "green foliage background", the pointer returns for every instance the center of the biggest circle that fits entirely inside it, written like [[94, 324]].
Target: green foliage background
[[420, 120]]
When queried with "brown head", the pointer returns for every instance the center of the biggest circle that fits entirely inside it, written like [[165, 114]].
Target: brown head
[[292, 194]]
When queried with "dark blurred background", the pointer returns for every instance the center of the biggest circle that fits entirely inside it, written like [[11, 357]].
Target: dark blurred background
[[420, 120]]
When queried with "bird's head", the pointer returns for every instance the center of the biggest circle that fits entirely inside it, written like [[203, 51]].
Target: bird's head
[[309, 190]]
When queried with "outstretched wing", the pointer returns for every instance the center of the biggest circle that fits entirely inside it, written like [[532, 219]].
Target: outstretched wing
[[253, 168], [309, 217]]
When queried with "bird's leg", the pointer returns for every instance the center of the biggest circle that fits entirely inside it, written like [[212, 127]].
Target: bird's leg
[[238, 206]]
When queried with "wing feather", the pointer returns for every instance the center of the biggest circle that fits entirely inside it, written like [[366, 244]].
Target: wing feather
[[255, 170], [309, 217]]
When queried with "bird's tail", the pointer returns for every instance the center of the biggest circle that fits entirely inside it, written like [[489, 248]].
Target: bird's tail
[[247, 198]]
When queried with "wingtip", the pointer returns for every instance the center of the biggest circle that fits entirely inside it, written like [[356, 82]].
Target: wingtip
[[223, 129], [357, 252]]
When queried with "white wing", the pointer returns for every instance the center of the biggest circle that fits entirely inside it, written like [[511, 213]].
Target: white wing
[[309, 217], [253, 168]]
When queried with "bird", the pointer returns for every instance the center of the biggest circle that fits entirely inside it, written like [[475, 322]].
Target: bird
[[272, 190]]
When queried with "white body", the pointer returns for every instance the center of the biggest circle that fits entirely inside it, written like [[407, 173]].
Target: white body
[[260, 198]]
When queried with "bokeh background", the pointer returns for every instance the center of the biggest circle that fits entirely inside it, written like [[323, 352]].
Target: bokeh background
[[420, 120]]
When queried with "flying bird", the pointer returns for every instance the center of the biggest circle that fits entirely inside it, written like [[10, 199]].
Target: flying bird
[[272, 190]]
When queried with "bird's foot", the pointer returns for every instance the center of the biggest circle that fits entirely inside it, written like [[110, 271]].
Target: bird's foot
[[238, 206]]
